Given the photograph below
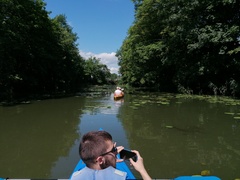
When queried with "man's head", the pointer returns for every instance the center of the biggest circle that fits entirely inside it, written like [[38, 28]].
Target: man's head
[[97, 150]]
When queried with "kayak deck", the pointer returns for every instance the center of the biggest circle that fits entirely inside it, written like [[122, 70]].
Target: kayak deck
[[122, 166], [178, 178]]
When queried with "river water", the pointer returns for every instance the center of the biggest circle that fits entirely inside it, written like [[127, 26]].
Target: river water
[[175, 134]]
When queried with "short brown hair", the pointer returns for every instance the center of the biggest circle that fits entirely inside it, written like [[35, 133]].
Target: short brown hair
[[93, 144]]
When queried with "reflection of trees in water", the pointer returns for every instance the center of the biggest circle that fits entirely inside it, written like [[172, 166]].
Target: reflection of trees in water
[[37, 135], [106, 105], [183, 131]]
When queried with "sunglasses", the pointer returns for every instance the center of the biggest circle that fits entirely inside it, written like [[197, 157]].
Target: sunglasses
[[114, 151]]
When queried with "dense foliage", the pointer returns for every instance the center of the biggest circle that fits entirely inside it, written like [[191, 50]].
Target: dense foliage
[[39, 55], [96, 72], [184, 45]]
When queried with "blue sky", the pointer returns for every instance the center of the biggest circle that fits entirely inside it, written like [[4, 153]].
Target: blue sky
[[101, 25]]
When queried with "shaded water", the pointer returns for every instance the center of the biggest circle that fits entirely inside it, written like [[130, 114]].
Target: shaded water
[[176, 135]]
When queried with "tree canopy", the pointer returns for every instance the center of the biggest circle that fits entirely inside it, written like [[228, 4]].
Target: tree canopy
[[39, 54], [180, 45], [96, 72]]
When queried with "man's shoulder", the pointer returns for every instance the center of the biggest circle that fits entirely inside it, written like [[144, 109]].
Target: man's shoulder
[[111, 173], [85, 172], [116, 171], [108, 173]]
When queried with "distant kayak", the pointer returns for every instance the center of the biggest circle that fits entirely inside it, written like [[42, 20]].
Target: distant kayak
[[118, 97], [118, 93]]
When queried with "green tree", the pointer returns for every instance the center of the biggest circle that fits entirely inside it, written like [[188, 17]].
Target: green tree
[[114, 78], [96, 72], [69, 64], [37, 54], [22, 22], [182, 43]]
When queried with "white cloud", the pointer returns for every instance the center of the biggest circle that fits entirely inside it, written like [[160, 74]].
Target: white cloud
[[105, 58]]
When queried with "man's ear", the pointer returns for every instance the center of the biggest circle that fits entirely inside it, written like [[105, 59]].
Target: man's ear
[[100, 159]]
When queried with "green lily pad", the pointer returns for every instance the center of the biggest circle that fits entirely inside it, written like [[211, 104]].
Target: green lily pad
[[164, 103], [133, 107], [179, 102], [205, 173], [229, 113]]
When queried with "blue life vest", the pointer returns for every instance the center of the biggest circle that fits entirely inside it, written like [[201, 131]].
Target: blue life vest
[[109, 173]]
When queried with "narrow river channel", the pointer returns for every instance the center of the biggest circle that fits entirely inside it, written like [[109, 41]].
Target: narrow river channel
[[175, 134]]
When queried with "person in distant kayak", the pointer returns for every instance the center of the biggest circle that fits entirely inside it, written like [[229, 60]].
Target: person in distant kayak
[[98, 152], [118, 92]]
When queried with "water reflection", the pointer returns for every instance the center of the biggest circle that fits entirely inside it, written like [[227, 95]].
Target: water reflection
[[102, 105], [102, 113], [181, 136], [34, 136], [176, 135]]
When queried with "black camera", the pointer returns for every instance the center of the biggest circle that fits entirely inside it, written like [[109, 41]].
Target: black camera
[[127, 154]]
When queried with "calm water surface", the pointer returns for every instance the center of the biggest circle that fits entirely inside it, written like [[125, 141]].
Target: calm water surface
[[176, 135]]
